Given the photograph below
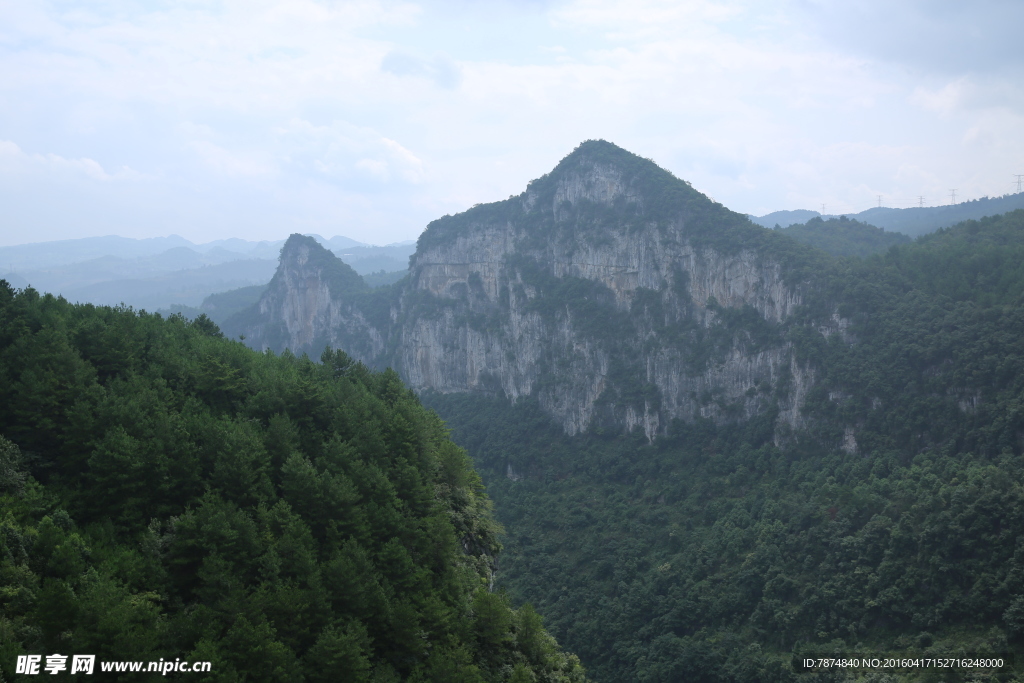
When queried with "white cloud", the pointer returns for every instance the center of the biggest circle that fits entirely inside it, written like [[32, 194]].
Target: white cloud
[[239, 55], [299, 114], [947, 37], [444, 72], [13, 160], [229, 163], [375, 168], [646, 19], [340, 147], [946, 99]]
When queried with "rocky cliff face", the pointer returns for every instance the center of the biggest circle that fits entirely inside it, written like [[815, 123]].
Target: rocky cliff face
[[611, 291], [311, 303]]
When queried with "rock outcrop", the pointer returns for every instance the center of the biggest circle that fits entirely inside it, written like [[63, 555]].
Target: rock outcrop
[[610, 290]]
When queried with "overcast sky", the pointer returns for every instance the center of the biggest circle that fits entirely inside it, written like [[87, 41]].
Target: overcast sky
[[259, 118]]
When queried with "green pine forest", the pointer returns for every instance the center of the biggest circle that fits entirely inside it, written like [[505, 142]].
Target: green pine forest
[[169, 493], [716, 552]]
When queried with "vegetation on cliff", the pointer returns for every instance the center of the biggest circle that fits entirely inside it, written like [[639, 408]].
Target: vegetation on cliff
[[652, 198], [890, 521], [168, 493]]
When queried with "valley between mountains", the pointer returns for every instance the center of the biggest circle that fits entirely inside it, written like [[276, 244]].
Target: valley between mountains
[[605, 429], [711, 444]]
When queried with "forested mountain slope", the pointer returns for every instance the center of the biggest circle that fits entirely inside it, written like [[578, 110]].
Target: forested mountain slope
[[711, 445], [166, 493], [891, 520], [844, 237]]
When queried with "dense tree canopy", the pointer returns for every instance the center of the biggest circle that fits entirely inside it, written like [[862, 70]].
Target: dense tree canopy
[[892, 519], [843, 236], [167, 493]]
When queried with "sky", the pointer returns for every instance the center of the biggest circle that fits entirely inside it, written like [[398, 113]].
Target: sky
[[370, 118]]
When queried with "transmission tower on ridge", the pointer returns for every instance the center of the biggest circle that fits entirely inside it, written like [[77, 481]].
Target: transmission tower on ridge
[[952, 196], [1019, 176], [879, 201], [920, 201]]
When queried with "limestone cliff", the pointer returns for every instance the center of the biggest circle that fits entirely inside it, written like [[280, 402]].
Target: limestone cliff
[[609, 290], [315, 300]]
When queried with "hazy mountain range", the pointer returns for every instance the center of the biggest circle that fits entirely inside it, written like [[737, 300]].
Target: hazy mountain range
[[173, 274], [159, 273], [914, 222]]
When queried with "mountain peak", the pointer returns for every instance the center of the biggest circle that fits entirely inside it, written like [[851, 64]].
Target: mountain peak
[[522, 297], [607, 192], [598, 150], [591, 154], [303, 298], [303, 257], [604, 173]]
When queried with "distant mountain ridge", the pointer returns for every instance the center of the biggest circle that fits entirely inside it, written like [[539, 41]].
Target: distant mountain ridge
[[165, 272], [914, 221], [37, 255]]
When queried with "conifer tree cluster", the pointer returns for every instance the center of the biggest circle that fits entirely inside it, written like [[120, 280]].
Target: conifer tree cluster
[[168, 493]]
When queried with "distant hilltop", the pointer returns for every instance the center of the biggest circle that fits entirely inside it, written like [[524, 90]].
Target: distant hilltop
[[914, 222], [171, 273]]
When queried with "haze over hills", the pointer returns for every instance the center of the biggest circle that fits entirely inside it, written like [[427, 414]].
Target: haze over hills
[[914, 221], [713, 446], [39, 255], [160, 273], [172, 274]]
